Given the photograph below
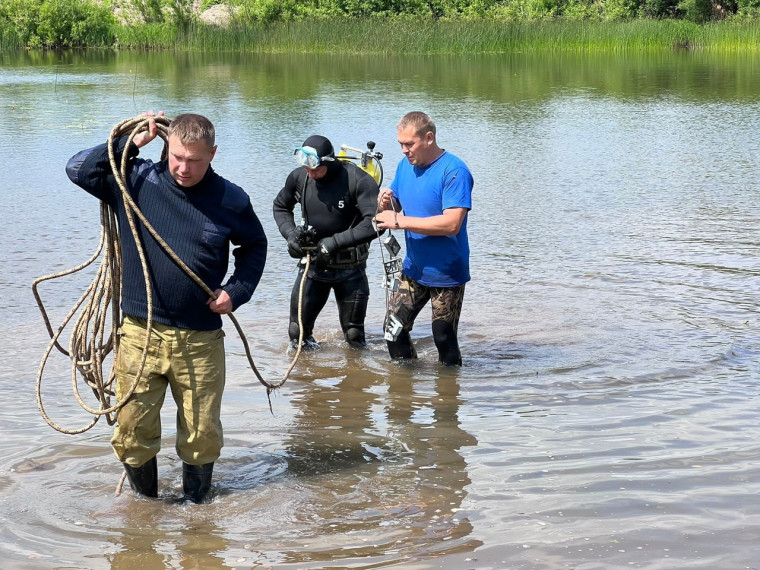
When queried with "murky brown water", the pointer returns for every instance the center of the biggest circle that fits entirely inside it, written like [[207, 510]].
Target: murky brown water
[[606, 415]]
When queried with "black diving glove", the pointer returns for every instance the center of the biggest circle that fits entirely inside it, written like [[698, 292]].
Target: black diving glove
[[294, 243], [325, 250]]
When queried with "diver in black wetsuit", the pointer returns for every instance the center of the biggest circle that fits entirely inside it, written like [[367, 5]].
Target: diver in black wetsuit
[[338, 201]]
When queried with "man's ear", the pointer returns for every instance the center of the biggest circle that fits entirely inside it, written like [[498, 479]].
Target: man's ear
[[213, 152]]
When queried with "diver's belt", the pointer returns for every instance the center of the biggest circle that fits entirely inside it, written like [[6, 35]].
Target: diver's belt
[[349, 257]]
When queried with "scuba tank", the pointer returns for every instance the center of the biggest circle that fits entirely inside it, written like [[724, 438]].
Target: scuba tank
[[368, 160]]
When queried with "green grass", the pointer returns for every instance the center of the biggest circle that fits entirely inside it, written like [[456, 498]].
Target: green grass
[[409, 36], [425, 36], [9, 40], [147, 36]]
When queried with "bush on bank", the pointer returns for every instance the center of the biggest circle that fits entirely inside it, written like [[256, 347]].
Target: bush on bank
[[56, 23], [514, 10], [175, 23]]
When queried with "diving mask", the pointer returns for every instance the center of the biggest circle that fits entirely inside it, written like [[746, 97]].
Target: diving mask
[[307, 156]]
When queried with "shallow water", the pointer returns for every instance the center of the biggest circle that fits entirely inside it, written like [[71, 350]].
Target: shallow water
[[606, 414]]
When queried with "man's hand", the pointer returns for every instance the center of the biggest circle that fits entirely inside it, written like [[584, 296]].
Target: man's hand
[[222, 304], [144, 137], [388, 219], [385, 199]]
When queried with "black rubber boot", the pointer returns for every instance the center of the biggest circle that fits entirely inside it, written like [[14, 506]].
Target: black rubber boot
[[355, 337], [196, 481], [144, 479], [445, 338], [402, 347]]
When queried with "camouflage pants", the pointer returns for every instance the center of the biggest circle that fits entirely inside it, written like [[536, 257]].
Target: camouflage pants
[[189, 362], [407, 302]]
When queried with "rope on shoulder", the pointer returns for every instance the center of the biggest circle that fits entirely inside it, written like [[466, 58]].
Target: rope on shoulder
[[89, 344]]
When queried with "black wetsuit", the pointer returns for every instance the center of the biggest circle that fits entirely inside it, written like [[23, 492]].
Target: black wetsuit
[[341, 206]]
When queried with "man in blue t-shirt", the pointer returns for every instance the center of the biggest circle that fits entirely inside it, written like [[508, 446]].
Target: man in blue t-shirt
[[429, 199]]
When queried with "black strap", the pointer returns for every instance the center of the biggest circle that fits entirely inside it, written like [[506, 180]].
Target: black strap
[[352, 189]]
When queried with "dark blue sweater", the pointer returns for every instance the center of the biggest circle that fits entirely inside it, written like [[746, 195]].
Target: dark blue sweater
[[198, 223]]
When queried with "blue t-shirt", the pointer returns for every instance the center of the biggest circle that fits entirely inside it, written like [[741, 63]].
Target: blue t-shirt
[[435, 261]]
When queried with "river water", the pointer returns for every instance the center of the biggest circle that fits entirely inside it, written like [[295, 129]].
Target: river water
[[606, 415]]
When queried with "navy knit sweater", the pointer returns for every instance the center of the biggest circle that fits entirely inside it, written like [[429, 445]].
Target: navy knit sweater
[[198, 223]]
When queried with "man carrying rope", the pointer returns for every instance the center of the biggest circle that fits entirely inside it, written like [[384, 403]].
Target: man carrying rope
[[198, 214]]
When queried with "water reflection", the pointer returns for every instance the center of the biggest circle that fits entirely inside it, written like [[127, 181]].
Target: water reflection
[[435, 474], [381, 457], [334, 426], [147, 542], [274, 79]]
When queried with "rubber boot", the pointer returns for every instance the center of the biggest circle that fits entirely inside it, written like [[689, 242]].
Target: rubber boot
[[445, 338], [402, 347], [355, 337], [196, 481], [144, 479]]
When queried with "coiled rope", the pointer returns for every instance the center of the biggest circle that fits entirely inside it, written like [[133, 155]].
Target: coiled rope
[[89, 344]]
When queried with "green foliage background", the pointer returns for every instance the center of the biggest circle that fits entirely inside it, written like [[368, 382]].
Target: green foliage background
[[56, 23], [174, 23]]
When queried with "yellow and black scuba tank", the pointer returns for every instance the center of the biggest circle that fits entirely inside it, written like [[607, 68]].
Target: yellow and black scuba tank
[[368, 160]]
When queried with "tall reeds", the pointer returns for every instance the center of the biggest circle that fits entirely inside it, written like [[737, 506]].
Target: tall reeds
[[417, 36], [9, 40], [406, 35], [147, 36]]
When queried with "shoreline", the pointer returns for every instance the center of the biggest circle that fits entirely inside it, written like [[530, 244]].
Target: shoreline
[[425, 36]]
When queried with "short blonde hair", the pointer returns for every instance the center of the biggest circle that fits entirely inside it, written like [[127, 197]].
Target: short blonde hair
[[421, 122], [190, 128]]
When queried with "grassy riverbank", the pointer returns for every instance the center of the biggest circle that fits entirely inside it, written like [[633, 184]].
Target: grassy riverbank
[[427, 36], [406, 36]]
